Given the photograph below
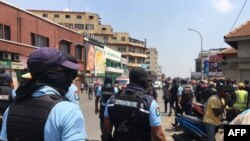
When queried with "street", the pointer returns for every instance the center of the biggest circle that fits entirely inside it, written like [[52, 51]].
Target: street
[[92, 120]]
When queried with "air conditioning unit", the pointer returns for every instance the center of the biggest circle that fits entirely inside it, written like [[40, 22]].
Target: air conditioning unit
[[7, 56], [16, 57]]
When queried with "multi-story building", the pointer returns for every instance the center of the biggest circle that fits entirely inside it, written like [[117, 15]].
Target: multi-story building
[[211, 65], [239, 39], [88, 23], [21, 32], [152, 63]]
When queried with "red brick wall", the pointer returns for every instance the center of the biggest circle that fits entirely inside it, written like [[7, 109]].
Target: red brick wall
[[33, 24]]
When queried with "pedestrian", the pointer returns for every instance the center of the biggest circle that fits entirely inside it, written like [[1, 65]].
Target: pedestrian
[[6, 92], [214, 111], [173, 98], [82, 88], [117, 85], [241, 98], [166, 96], [209, 91], [185, 97], [151, 90], [103, 94], [134, 114], [40, 109]]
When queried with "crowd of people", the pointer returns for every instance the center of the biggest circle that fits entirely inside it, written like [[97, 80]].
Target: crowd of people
[[46, 107], [223, 100]]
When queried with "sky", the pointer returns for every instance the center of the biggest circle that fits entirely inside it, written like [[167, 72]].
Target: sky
[[163, 23]]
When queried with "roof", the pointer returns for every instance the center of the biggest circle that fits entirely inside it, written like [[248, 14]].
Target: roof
[[228, 50], [242, 31]]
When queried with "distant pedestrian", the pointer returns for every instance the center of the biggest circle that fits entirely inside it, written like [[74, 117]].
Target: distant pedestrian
[[151, 90]]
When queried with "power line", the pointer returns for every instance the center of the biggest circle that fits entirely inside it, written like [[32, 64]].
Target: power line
[[235, 20], [238, 16]]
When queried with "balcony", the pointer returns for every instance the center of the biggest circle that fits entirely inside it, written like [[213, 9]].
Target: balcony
[[134, 54]]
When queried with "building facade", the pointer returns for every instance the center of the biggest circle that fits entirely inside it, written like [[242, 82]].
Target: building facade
[[240, 40], [152, 63], [21, 32], [88, 23]]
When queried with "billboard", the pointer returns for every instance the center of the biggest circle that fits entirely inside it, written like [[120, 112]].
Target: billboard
[[215, 63], [90, 57], [100, 61]]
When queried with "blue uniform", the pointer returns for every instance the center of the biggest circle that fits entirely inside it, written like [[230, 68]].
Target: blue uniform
[[154, 113], [99, 91], [73, 94], [65, 121]]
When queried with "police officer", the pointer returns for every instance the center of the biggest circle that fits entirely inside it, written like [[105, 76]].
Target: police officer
[[151, 90], [185, 97], [5, 94], [40, 109], [134, 114], [103, 94]]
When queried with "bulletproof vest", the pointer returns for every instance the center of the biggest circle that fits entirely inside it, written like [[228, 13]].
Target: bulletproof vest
[[106, 94], [186, 94], [27, 117], [5, 98], [130, 116]]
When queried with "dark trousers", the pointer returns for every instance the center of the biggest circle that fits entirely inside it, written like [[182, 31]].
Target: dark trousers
[[166, 101]]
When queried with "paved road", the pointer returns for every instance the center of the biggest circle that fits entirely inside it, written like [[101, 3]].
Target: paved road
[[92, 120]]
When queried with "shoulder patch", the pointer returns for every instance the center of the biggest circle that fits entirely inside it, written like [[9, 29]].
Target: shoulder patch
[[157, 111], [77, 97]]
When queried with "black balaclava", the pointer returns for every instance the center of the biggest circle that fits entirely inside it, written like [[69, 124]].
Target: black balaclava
[[59, 79], [139, 76], [107, 85]]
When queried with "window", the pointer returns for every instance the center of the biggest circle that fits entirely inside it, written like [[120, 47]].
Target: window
[[4, 32], [91, 17], [78, 52], [123, 38], [131, 60], [105, 39], [79, 26], [39, 40], [108, 63], [67, 16], [1, 31], [131, 49], [89, 27], [78, 16], [45, 15], [56, 16], [139, 61], [104, 29], [65, 46], [122, 49], [113, 38], [68, 25]]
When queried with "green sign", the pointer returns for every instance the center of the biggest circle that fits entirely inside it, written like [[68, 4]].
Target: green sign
[[5, 64]]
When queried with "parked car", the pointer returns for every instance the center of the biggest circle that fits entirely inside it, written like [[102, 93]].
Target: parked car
[[158, 85], [123, 82]]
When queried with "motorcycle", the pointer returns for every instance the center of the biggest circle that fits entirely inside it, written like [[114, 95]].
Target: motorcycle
[[198, 110], [193, 127]]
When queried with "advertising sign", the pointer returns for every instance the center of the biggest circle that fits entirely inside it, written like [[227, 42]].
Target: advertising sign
[[215, 63], [90, 60], [112, 54], [99, 61]]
